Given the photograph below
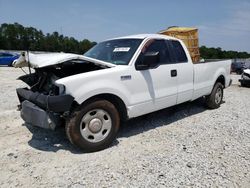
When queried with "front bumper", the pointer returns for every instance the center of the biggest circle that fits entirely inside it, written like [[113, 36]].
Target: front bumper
[[43, 110], [59, 103], [244, 81], [36, 116]]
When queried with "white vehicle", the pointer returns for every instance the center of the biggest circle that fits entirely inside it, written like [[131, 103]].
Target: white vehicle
[[116, 80], [245, 78]]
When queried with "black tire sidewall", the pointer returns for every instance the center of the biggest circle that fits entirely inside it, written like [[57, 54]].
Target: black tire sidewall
[[211, 98], [73, 126]]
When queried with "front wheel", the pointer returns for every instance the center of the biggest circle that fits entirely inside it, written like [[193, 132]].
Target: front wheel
[[214, 100], [94, 126]]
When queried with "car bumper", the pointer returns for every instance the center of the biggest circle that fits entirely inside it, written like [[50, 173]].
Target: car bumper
[[245, 81], [59, 103], [43, 110], [34, 115]]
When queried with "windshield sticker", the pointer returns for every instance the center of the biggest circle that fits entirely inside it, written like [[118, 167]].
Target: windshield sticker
[[121, 49]]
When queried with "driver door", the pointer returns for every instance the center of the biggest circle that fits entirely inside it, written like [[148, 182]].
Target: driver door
[[156, 88]]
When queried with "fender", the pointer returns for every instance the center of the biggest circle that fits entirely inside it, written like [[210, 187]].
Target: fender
[[223, 71], [219, 72], [87, 85], [91, 89]]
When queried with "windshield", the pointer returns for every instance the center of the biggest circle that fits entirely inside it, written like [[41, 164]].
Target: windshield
[[118, 51]]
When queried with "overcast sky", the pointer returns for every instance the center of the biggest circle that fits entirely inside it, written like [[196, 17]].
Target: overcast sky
[[221, 23]]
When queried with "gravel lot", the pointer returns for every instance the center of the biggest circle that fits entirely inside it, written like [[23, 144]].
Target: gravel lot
[[186, 145]]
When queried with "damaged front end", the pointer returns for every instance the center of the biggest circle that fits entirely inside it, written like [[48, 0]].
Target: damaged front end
[[45, 103], [245, 78], [45, 111]]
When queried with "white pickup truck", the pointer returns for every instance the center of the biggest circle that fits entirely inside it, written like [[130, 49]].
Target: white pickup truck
[[116, 80]]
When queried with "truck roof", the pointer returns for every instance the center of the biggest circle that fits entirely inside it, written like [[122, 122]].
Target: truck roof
[[143, 36]]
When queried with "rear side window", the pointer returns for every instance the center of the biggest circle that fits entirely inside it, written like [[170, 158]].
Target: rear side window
[[179, 52]]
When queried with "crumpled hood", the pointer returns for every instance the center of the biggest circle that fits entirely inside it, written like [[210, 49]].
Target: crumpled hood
[[48, 59]]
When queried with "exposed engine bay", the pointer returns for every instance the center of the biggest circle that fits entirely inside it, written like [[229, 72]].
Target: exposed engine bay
[[43, 79]]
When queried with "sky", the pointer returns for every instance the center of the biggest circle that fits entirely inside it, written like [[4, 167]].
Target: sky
[[221, 23]]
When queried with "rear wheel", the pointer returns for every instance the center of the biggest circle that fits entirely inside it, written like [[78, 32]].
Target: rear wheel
[[214, 100], [94, 126]]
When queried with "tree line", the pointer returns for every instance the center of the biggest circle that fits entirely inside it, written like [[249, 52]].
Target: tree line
[[17, 37], [218, 53]]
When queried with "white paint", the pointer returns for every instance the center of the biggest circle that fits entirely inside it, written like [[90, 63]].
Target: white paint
[[48, 59]]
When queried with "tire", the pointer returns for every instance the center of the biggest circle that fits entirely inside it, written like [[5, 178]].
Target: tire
[[214, 100], [93, 126], [242, 85]]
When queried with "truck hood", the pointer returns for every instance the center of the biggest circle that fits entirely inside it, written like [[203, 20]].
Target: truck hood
[[48, 59]]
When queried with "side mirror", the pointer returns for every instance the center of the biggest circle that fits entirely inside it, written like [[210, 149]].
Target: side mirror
[[149, 60]]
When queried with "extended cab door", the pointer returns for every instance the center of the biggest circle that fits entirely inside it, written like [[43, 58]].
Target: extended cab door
[[157, 86], [185, 72]]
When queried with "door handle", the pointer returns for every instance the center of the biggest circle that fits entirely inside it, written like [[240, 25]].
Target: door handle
[[173, 73]]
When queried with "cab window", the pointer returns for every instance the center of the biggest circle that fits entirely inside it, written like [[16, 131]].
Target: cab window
[[158, 46], [178, 51]]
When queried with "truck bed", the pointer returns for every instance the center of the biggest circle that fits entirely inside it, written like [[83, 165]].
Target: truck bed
[[206, 73]]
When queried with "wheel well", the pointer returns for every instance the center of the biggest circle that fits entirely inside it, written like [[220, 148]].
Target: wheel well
[[221, 79], [115, 100]]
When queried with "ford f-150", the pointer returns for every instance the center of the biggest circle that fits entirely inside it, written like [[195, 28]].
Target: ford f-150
[[116, 80]]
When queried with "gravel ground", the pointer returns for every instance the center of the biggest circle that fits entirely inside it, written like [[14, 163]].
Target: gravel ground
[[182, 146]]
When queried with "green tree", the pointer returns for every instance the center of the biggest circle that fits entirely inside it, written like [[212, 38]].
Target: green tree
[[17, 37], [218, 53]]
